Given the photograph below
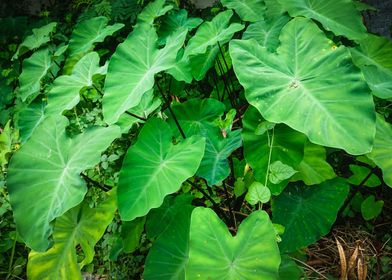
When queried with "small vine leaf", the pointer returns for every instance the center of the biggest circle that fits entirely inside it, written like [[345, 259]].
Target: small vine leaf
[[278, 172], [370, 208], [257, 192]]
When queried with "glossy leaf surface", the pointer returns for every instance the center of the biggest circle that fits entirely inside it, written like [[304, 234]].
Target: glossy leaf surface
[[89, 32], [339, 16], [165, 167], [381, 153], [248, 10], [294, 87], [82, 226], [133, 66], [307, 213], [215, 254], [47, 169]]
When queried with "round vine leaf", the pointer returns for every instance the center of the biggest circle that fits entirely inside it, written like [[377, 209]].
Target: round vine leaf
[[294, 86], [248, 10], [133, 66], [381, 153], [39, 37], [257, 192], [341, 17], [307, 213], [89, 32], [47, 169], [278, 172], [215, 254], [82, 226], [370, 208], [164, 168], [34, 69]]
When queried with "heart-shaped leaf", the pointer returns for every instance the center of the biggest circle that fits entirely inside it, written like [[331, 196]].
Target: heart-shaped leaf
[[169, 253], [39, 37], [374, 59], [307, 213], [339, 16], [294, 87], [248, 10], [370, 208], [257, 192], [47, 168], [314, 169], [82, 226], [65, 92], [133, 66], [278, 172], [158, 158], [215, 254], [382, 149], [89, 32], [34, 69]]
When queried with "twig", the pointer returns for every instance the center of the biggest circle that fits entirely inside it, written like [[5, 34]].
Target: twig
[[135, 116], [308, 266], [95, 183]]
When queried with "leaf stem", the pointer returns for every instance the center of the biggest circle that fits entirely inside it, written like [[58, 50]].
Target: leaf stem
[[135, 116], [270, 144], [232, 216], [103, 187], [171, 112], [227, 69], [11, 259]]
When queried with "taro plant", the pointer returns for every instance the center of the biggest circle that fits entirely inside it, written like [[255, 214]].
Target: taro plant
[[220, 142]]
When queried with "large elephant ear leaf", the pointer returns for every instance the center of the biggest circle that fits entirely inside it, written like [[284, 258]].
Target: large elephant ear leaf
[[34, 69], [248, 10], [263, 146], [165, 167], [218, 30], [307, 213], [168, 255], [152, 11], [133, 66], [29, 119], [89, 32], [54, 162], [381, 153], [373, 56], [39, 37], [215, 254], [82, 226], [64, 94], [341, 17], [294, 87]]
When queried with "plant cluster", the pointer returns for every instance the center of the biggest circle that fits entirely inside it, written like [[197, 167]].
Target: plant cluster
[[191, 148]]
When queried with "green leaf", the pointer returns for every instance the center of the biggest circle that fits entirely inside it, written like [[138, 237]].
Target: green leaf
[[131, 233], [360, 173], [257, 192], [89, 32], [47, 169], [212, 32], [341, 17], [169, 253], [154, 168], [266, 32], [382, 149], [215, 167], [374, 59], [287, 147], [133, 66], [370, 208], [39, 37], [34, 69], [82, 226], [294, 87], [64, 94], [29, 119], [200, 64], [5, 145], [176, 20], [278, 172], [152, 11], [248, 10], [314, 169], [307, 213], [215, 254]]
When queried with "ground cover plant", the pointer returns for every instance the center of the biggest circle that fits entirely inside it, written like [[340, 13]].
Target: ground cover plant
[[150, 140]]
